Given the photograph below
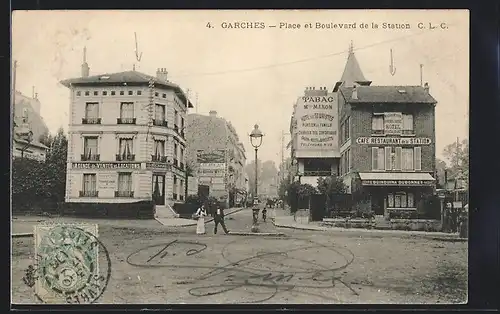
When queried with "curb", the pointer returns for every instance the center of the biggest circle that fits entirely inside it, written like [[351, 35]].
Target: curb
[[22, 235], [450, 238]]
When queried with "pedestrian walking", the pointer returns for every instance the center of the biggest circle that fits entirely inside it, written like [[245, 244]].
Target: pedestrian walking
[[219, 219], [200, 214]]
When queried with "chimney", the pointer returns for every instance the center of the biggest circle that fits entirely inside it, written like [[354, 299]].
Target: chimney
[[162, 74], [213, 113], [85, 66], [354, 93], [426, 87]]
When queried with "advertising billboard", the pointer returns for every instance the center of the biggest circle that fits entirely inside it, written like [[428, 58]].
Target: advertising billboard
[[317, 126]]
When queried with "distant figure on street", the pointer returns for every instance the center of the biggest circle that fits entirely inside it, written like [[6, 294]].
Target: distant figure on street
[[201, 213], [219, 219], [264, 214]]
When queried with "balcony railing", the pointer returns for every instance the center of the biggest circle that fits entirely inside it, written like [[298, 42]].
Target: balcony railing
[[89, 193], [318, 173], [125, 120], [158, 122], [120, 157], [378, 132], [408, 132], [93, 157], [124, 193], [158, 158], [91, 120]]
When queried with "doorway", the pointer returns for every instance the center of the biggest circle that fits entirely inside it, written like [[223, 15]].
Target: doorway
[[378, 204], [159, 189]]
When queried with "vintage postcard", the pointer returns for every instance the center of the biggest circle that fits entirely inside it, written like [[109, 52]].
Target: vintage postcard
[[232, 156]]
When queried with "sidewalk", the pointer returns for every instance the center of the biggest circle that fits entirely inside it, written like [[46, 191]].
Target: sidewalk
[[183, 222], [22, 226], [286, 221]]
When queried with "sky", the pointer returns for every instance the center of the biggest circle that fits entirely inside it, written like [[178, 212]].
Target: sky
[[251, 75]]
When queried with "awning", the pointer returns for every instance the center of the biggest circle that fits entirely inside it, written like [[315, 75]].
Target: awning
[[396, 179]]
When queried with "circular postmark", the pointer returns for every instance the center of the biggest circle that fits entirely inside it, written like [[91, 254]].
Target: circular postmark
[[73, 266]]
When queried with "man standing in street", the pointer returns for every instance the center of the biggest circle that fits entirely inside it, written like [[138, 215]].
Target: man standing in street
[[219, 219]]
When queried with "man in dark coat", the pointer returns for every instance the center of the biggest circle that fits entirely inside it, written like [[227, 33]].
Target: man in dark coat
[[219, 219]]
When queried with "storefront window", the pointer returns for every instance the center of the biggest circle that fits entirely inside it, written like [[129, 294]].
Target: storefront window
[[401, 200], [390, 200]]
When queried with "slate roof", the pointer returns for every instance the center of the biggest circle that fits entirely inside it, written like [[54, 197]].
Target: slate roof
[[352, 72], [388, 94], [127, 77]]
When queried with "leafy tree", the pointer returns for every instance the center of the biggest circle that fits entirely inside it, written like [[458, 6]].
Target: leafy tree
[[41, 185], [331, 185], [297, 191], [457, 157]]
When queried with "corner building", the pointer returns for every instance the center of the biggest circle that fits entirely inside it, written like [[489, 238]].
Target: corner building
[[216, 152], [126, 139], [387, 142], [314, 128]]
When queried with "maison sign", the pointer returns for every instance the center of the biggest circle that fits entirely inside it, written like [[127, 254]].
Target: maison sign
[[105, 165], [397, 182], [106, 181], [316, 126], [394, 140]]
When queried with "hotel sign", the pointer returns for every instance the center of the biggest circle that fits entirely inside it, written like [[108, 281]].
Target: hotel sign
[[105, 165], [393, 123], [397, 183], [394, 140], [316, 126]]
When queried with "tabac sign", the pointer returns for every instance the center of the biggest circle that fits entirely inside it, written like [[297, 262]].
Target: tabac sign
[[394, 140], [316, 126]]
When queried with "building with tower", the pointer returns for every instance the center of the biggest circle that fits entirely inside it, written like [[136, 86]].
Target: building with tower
[[126, 141], [387, 142]]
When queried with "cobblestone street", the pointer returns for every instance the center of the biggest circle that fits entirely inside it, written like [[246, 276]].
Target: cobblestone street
[[303, 267]]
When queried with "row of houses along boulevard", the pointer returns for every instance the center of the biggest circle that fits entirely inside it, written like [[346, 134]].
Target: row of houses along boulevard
[[380, 140], [127, 142]]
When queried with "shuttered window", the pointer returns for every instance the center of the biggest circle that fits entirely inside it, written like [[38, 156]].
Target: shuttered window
[[418, 158], [388, 161], [378, 160], [397, 159]]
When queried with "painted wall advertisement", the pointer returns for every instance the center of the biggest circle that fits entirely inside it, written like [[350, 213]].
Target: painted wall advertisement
[[211, 169], [317, 125], [215, 156], [106, 181]]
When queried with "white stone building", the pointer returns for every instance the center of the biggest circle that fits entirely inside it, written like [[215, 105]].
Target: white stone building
[[126, 139]]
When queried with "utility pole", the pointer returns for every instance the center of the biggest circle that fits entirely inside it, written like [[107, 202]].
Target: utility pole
[[421, 74]]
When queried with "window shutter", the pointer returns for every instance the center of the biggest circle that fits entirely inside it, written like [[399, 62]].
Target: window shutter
[[374, 158], [388, 161], [381, 159], [397, 160], [418, 158]]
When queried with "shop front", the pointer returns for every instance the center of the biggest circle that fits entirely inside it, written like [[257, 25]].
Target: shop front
[[395, 191]]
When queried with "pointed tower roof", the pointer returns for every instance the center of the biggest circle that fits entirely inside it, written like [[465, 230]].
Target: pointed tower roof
[[352, 71]]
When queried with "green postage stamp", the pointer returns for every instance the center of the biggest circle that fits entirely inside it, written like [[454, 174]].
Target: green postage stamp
[[67, 263]]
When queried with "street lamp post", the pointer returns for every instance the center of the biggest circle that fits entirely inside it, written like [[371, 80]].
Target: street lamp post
[[256, 140]]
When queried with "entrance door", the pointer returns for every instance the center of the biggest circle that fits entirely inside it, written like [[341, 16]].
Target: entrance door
[[159, 189], [317, 207], [378, 204]]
